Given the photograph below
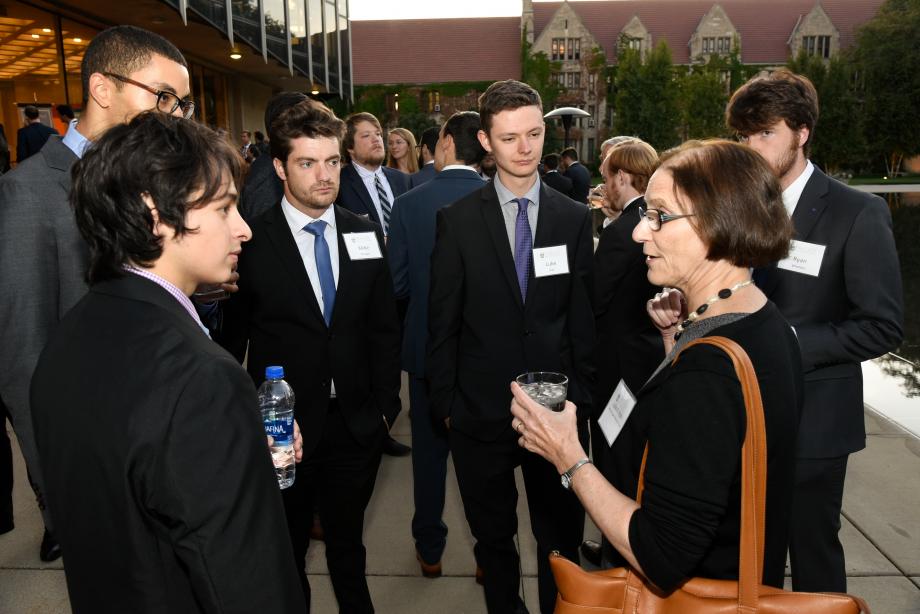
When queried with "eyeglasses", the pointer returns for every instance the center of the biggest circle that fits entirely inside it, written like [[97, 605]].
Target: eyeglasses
[[656, 218], [167, 102]]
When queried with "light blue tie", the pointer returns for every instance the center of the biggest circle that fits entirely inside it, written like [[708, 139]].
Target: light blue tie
[[323, 266]]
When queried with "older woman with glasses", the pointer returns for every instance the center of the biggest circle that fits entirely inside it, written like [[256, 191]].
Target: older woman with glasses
[[714, 212]]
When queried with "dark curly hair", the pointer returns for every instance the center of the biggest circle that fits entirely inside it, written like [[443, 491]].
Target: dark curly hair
[[178, 163]]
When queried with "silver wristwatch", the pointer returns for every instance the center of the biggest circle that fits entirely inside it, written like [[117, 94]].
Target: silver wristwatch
[[567, 476]]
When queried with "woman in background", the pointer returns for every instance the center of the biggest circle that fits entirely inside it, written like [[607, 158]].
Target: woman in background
[[401, 151]]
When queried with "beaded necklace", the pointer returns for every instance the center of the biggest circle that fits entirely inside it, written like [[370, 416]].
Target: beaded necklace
[[722, 295]]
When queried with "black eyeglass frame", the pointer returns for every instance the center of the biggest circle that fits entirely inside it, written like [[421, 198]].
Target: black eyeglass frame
[[188, 106], [659, 217]]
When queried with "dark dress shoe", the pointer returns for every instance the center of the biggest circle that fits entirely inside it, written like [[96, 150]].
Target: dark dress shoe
[[591, 552], [428, 570], [391, 447], [50, 550]]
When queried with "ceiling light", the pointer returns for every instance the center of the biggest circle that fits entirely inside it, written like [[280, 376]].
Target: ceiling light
[[35, 36], [236, 55], [78, 40], [314, 92], [46, 30]]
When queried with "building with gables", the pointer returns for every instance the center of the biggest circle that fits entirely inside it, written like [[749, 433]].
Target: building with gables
[[432, 51]]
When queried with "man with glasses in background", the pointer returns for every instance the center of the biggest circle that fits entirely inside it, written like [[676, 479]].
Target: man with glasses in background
[[43, 259]]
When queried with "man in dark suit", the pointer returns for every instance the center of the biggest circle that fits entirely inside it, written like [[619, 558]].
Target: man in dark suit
[[316, 296], [157, 471], [628, 345], [553, 178], [368, 188], [410, 245], [263, 188], [43, 259], [510, 293], [840, 289], [576, 171], [33, 136], [427, 145]]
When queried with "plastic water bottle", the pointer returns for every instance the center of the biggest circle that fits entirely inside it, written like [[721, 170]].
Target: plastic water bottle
[[276, 401]]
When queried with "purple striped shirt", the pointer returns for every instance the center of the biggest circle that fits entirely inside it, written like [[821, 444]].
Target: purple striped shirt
[[176, 293]]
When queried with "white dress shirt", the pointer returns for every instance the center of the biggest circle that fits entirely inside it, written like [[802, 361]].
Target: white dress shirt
[[296, 221], [367, 176], [793, 193]]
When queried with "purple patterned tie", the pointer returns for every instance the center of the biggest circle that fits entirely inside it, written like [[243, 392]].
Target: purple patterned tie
[[523, 243]]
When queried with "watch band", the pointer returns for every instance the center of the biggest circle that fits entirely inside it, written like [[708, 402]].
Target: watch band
[[570, 473]]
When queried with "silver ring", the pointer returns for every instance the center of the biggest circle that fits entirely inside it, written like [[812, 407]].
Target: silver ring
[[520, 427]]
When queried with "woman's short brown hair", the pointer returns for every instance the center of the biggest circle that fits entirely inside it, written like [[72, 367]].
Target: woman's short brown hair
[[736, 200], [636, 158]]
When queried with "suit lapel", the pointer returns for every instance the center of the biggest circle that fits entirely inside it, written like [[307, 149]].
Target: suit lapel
[[279, 233], [547, 219], [495, 224], [811, 205], [59, 157], [352, 180]]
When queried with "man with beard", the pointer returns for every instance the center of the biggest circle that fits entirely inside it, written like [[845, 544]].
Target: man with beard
[[369, 189], [840, 289], [628, 345], [316, 297]]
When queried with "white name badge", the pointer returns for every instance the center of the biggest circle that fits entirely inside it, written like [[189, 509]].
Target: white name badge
[[362, 245], [803, 258], [550, 261], [618, 408]]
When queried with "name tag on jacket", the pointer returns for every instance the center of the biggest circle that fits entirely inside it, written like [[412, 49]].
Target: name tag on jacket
[[550, 261], [362, 245], [803, 258], [618, 408]]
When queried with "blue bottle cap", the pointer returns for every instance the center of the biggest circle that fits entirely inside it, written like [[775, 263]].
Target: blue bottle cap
[[274, 372]]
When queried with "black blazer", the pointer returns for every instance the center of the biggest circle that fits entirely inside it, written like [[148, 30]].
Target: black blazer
[[411, 241], [628, 344], [851, 312], [276, 312], [482, 335], [158, 476], [353, 194], [261, 190], [581, 181], [558, 182]]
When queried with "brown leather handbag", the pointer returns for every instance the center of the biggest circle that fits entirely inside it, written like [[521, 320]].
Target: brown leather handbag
[[622, 591]]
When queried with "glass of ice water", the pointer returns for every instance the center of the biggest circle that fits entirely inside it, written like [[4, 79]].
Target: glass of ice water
[[547, 388]]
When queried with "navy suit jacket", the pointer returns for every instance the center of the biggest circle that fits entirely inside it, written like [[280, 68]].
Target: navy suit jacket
[[30, 139], [353, 194], [851, 312], [581, 181], [411, 241], [262, 188], [424, 174]]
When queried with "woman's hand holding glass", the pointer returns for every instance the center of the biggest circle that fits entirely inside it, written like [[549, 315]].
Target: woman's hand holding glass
[[552, 435]]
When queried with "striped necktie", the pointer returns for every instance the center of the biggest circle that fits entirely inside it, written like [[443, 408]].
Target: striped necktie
[[385, 207]]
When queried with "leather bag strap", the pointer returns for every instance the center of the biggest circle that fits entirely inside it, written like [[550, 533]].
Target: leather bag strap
[[753, 473]]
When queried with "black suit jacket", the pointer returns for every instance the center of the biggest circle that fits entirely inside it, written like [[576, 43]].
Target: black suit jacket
[[558, 182], [353, 194], [30, 139], [581, 181], [851, 312], [276, 312], [411, 241], [482, 335], [628, 344], [158, 476]]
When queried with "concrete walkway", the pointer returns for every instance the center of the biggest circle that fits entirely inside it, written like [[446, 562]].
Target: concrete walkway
[[881, 534]]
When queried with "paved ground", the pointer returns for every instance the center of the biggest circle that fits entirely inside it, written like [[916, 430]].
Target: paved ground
[[881, 535]]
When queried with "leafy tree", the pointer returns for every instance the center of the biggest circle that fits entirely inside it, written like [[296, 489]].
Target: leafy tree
[[887, 58], [647, 94], [702, 101], [839, 136], [539, 73]]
